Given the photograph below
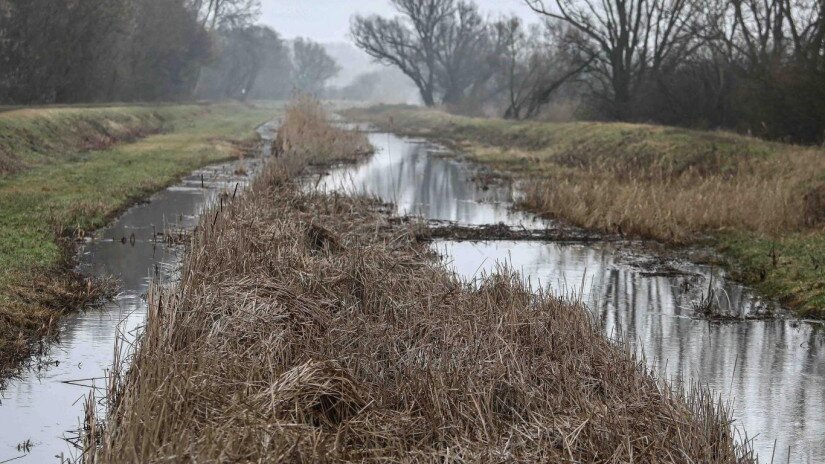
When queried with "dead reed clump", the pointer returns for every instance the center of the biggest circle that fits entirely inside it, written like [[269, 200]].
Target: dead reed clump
[[307, 133], [270, 351], [676, 210]]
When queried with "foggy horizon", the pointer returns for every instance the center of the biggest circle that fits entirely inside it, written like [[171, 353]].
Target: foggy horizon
[[328, 21]]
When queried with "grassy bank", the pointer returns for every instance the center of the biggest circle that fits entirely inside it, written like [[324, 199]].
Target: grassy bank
[[314, 328], [69, 171], [761, 203]]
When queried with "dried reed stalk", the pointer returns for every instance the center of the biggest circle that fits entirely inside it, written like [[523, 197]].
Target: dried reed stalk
[[312, 328]]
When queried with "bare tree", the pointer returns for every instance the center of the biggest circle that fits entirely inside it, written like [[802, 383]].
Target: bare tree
[[631, 38], [462, 49], [534, 65], [312, 66], [777, 50], [764, 33], [410, 42], [226, 13], [242, 54]]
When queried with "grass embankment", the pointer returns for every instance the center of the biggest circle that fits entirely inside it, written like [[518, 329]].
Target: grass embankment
[[314, 328], [69, 170], [762, 204]]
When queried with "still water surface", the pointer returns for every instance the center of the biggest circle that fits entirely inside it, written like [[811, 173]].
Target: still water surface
[[41, 411], [772, 371]]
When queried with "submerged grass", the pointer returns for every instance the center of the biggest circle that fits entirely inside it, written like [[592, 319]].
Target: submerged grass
[[64, 186], [314, 328], [743, 195]]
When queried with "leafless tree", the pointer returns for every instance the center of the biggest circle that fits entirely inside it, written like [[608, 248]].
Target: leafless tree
[[312, 66], [631, 39], [409, 42], [763, 33], [463, 48], [242, 56], [226, 13], [534, 65]]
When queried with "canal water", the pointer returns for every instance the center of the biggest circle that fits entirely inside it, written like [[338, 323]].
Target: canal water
[[771, 371], [41, 411]]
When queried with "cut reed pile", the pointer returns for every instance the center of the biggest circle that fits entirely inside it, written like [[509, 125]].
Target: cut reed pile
[[312, 328]]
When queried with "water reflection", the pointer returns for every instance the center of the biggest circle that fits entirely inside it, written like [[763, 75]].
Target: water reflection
[[404, 172], [773, 371], [46, 405]]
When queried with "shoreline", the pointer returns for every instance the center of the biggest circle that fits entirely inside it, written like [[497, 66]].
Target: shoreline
[[780, 268], [41, 283], [363, 341]]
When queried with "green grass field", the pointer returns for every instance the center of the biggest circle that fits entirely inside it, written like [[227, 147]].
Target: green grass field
[[761, 204], [74, 169]]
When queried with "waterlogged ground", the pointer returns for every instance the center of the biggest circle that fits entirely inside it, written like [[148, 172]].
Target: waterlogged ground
[[772, 371], [41, 411]]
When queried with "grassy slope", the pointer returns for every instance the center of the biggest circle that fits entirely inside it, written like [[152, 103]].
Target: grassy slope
[[60, 187], [689, 186]]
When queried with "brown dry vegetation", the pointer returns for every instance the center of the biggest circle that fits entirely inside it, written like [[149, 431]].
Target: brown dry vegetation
[[72, 176], [676, 209], [761, 203], [652, 181], [306, 134], [314, 328]]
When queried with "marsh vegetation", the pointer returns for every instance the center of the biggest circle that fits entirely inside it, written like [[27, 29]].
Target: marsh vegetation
[[70, 170], [311, 327], [758, 202]]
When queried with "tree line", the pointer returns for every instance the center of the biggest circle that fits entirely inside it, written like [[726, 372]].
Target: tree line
[[756, 66], [67, 51]]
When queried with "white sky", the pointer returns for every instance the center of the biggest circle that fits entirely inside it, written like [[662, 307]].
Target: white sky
[[328, 20]]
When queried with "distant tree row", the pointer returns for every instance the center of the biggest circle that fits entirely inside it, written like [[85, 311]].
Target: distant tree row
[[65, 51], [254, 62], [751, 65]]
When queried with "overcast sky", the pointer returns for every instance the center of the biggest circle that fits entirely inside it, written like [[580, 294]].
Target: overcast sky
[[328, 20]]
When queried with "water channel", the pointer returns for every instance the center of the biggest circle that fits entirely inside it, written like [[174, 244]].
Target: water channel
[[771, 371], [41, 411]]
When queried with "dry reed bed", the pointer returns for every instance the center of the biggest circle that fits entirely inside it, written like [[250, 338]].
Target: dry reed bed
[[313, 328], [770, 196], [671, 184]]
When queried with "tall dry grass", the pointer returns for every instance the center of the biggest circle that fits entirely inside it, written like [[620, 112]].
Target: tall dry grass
[[314, 328], [679, 209], [306, 133], [653, 181], [678, 197]]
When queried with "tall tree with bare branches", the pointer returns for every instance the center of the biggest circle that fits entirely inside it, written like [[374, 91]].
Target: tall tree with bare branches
[[312, 66], [226, 13], [630, 38], [408, 42]]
